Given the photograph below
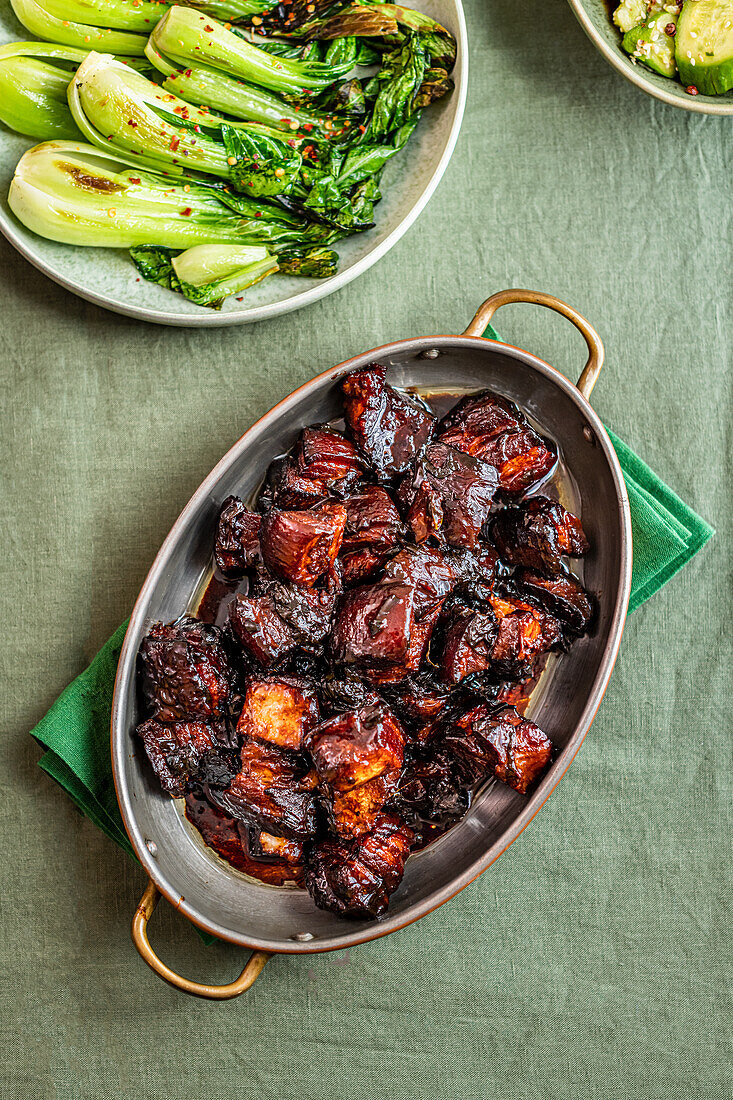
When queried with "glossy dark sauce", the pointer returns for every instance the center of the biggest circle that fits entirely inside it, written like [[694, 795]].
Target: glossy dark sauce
[[222, 833], [228, 840]]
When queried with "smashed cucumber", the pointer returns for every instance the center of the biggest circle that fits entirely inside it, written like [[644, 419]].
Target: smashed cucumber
[[704, 45], [651, 43]]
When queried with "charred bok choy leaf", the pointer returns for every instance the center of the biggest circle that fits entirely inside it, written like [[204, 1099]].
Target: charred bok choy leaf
[[395, 87], [122, 110], [324, 19], [343, 188], [439, 43], [206, 274]]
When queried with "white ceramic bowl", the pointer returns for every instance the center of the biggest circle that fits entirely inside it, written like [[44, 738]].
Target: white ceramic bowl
[[108, 277], [594, 17]]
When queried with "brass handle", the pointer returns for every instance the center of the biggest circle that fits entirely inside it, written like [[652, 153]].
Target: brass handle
[[144, 912], [596, 352]]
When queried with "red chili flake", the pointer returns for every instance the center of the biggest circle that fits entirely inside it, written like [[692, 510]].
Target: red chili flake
[[208, 28], [131, 123], [197, 128], [188, 72], [287, 121], [363, 129], [670, 29], [134, 179], [307, 126], [186, 211], [691, 90], [291, 142], [258, 213], [240, 299], [175, 142]]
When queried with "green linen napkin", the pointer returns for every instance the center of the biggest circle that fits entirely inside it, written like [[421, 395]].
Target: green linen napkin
[[76, 730]]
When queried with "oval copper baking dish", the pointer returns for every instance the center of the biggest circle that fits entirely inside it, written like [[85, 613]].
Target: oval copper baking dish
[[280, 920]]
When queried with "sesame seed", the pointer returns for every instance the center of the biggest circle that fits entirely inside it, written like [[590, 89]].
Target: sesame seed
[[279, 172], [231, 160], [111, 212]]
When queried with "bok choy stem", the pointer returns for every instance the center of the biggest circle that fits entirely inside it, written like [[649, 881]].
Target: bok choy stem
[[187, 37], [35, 18]]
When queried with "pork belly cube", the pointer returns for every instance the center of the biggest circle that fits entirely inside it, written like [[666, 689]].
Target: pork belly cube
[[448, 496], [432, 789], [537, 534], [372, 519], [324, 455], [272, 791], [322, 463], [285, 487], [278, 709], [356, 878], [420, 634], [525, 633], [301, 546], [308, 612], [176, 751], [237, 546], [373, 625], [468, 642], [352, 748], [388, 427], [361, 565], [431, 572], [492, 428], [353, 813], [263, 634], [185, 670], [486, 742], [563, 596], [265, 846]]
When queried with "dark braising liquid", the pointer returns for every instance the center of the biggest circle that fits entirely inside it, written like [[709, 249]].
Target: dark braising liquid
[[226, 836]]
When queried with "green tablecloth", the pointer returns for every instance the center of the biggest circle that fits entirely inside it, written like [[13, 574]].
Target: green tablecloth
[[590, 961]]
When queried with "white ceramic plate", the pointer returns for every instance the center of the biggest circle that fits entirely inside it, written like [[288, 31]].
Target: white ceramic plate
[[108, 277]]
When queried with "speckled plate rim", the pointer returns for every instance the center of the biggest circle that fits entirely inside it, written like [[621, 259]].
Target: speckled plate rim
[[213, 319], [703, 106]]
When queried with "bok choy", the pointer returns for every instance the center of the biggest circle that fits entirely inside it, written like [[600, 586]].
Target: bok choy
[[34, 77], [207, 273], [240, 141], [39, 20], [186, 37], [199, 84], [77, 194], [119, 108]]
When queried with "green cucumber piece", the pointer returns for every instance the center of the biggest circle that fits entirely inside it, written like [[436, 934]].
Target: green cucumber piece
[[630, 14], [651, 44], [704, 45]]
